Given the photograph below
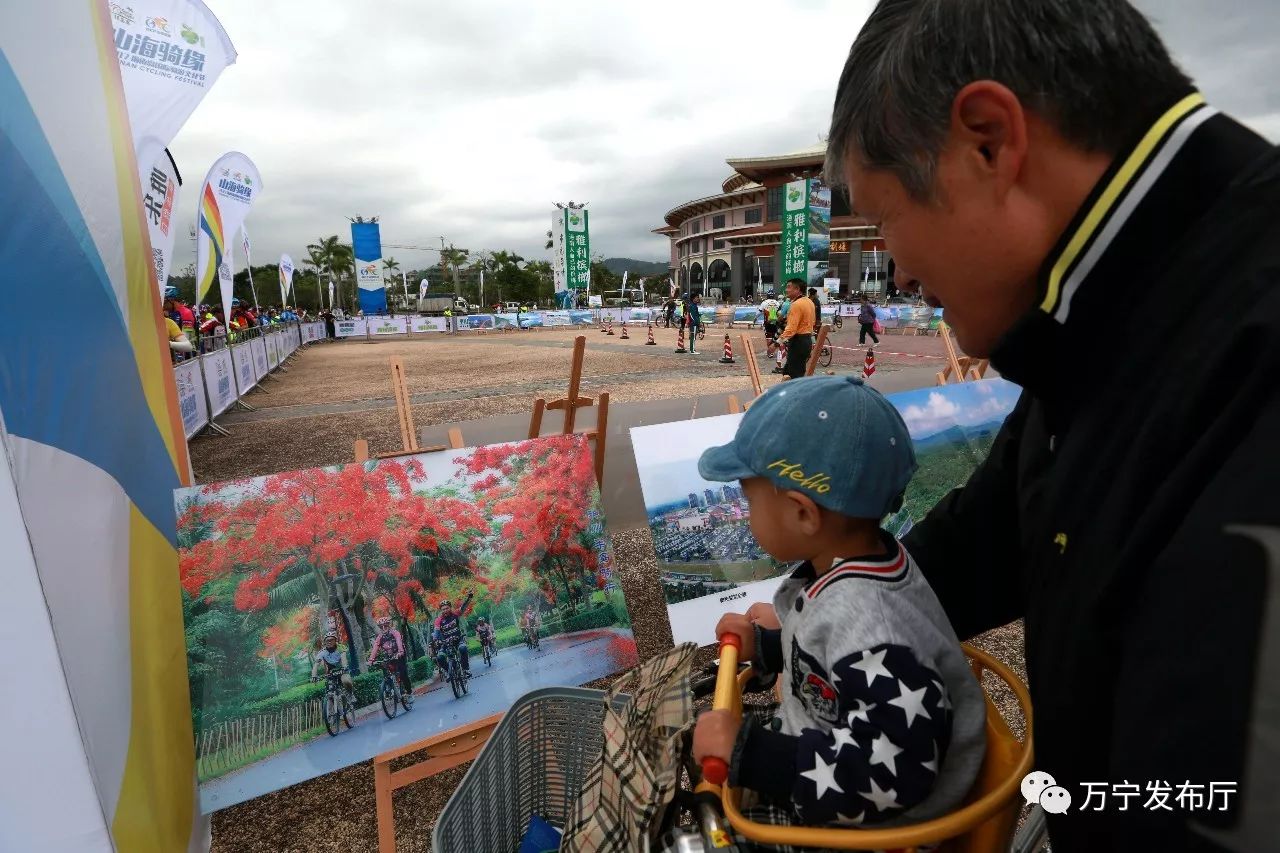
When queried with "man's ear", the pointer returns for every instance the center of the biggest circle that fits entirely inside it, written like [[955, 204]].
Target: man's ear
[[989, 133], [805, 513]]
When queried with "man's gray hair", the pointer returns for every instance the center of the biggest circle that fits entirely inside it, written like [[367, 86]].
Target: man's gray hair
[[1094, 69]]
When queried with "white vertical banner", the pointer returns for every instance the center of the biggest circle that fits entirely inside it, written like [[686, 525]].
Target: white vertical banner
[[330, 294], [248, 265], [558, 274], [171, 52], [422, 292], [404, 281], [482, 289], [226, 284], [286, 279], [159, 199], [229, 191]]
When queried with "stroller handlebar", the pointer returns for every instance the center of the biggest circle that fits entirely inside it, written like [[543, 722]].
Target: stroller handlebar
[[716, 770]]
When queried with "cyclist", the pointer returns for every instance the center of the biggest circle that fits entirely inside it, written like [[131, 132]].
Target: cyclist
[[531, 622], [452, 630], [390, 646], [485, 634], [333, 660]]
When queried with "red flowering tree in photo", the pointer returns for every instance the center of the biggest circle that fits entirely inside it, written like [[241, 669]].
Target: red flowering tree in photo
[[285, 538], [545, 495]]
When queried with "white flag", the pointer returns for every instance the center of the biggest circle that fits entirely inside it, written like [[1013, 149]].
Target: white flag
[[229, 190], [422, 291], [159, 201], [330, 294], [171, 53], [404, 281], [286, 279]]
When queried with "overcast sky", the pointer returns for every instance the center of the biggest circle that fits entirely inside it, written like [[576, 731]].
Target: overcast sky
[[468, 119]]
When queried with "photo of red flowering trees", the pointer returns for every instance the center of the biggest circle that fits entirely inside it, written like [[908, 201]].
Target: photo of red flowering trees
[[320, 572]]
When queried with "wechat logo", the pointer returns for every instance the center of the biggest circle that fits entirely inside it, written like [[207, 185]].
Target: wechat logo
[[1039, 787]]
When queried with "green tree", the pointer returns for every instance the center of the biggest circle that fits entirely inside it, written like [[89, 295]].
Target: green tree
[[453, 259]]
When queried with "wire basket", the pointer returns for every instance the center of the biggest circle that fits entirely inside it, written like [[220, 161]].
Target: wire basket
[[534, 763]]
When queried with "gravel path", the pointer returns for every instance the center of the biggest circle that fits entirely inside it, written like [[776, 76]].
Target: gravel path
[[455, 379]]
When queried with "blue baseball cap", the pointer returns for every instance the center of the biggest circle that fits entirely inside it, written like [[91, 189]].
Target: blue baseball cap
[[831, 438]]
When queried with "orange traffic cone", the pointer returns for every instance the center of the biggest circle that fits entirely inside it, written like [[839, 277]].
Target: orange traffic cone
[[651, 342], [727, 358], [680, 340], [625, 336], [869, 363]]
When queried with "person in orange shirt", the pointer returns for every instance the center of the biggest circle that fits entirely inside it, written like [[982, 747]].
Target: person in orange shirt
[[798, 335]]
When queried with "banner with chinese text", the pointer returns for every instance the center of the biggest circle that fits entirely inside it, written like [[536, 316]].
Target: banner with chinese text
[[242, 363], [577, 246], [562, 295], [366, 243], [795, 232], [171, 52], [191, 400], [159, 198], [286, 279], [229, 190]]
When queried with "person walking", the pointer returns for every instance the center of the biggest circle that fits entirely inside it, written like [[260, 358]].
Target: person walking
[[669, 312], [866, 321], [797, 337], [1027, 161]]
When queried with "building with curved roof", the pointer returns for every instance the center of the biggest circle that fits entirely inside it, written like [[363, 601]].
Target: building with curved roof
[[729, 240]]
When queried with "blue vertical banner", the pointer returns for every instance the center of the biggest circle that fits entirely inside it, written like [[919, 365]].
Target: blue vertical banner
[[367, 247]]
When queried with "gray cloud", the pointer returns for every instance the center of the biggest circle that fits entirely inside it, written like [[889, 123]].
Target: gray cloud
[[469, 119]]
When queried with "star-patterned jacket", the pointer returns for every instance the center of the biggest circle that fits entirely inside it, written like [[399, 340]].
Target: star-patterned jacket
[[881, 718]]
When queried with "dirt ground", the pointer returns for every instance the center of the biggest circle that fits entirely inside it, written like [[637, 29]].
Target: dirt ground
[[336, 392]]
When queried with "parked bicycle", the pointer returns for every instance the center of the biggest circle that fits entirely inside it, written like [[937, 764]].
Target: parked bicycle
[[836, 319], [339, 705], [531, 638], [454, 672], [391, 692]]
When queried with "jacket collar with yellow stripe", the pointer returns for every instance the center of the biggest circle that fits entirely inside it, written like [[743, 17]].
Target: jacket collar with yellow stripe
[[1109, 260]]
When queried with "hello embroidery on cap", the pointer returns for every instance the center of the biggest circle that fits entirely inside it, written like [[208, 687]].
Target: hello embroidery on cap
[[819, 482]]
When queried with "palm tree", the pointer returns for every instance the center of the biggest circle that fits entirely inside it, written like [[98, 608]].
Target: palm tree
[[454, 258]]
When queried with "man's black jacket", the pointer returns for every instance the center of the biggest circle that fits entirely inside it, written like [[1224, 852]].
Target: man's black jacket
[[1124, 506]]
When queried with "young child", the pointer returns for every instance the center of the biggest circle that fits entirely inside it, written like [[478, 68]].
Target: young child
[[881, 720]]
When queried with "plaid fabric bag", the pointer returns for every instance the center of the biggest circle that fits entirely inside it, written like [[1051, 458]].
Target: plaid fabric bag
[[627, 791]]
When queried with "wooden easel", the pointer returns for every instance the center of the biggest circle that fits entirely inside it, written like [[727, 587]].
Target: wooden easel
[[962, 367], [753, 371], [408, 433], [571, 403], [817, 350], [444, 752]]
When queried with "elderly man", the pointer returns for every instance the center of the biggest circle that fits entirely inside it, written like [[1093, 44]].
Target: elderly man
[[1026, 162]]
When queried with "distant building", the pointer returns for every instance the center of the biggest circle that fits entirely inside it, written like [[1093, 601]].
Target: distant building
[[693, 500], [711, 496], [730, 240]]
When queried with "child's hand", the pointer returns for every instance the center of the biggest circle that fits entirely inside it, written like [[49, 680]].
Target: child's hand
[[763, 614], [740, 624], [715, 734]]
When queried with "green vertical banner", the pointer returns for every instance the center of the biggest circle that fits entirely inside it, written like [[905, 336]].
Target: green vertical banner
[[795, 231], [577, 250]]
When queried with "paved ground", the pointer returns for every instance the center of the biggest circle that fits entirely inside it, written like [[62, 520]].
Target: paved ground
[[336, 392]]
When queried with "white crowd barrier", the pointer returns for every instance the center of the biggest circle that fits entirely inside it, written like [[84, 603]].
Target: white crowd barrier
[[211, 383]]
